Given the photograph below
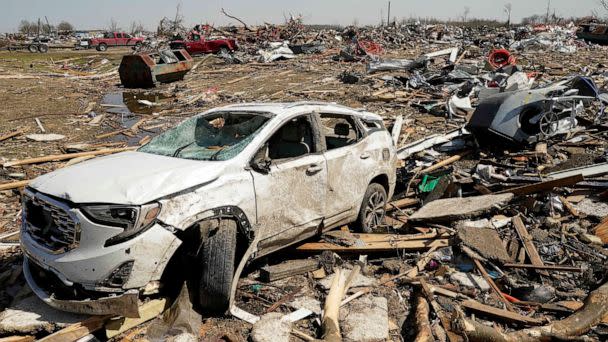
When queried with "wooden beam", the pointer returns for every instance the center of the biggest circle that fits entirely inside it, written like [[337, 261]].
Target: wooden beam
[[500, 313], [60, 157], [147, 312], [413, 245], [601, 230], [526, 239], [401, 203], [13, 185], [12, 134], [546, 267], [443, 318], [76, 331], [445, 162], [493, 285], [543, 186], [287, 269]]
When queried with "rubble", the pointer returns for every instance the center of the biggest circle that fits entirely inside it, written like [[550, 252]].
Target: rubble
[[497, 230]]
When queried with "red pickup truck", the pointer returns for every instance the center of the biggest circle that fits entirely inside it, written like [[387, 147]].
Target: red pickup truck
[[197, 44], [114, 39]]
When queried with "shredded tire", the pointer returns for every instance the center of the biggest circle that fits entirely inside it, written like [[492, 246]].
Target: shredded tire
[[218, 262]]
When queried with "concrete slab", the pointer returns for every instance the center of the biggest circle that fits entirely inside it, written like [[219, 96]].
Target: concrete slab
[[31, 315], [459, 208], [484, 241], [365, 319], [470, 280]]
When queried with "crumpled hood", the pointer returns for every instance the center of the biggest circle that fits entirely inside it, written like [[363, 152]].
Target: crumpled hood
[[127, 178]]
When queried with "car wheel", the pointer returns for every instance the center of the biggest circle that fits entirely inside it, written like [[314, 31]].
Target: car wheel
[[43, 48], [32, 48], [217, 261], [372, 209], [102, 47], [223, 51]]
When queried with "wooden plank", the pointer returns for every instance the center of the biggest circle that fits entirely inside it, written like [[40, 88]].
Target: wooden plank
[[413, 245], [288, 269], [601, 230], [492, 284], [13, 185], [147, 312], [60, 157], [12, 134], [546, 267], [402, 203], [443, 318], [543, 186], [573, 211], [17, 339], [526, 239], [500, 313], [76, 331]]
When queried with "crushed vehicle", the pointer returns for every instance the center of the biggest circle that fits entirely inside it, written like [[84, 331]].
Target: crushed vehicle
[[111, 39], [222, 188], [198, 44]]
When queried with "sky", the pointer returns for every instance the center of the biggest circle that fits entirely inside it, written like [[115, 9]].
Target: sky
[[89, 14]]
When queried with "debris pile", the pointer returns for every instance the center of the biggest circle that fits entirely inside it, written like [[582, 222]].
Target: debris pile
[[498, 227]]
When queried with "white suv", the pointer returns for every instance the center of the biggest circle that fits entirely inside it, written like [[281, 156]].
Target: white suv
[[201, 200]]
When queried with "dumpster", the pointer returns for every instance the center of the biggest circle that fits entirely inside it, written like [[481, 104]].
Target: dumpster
[[144, 70]]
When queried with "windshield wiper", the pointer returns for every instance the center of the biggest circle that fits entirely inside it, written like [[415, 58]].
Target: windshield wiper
[[179, 149]]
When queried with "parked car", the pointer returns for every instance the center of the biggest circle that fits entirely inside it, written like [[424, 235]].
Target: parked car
[[197, 44], [110, 39], [201, 200]]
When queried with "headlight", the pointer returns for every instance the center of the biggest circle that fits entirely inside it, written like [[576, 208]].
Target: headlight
[[133, 219]]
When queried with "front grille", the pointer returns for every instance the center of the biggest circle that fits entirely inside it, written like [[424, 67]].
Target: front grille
[[50, 223]]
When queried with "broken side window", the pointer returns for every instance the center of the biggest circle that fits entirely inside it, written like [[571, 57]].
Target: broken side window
[[293, 139], [339, 130], [217, 136]]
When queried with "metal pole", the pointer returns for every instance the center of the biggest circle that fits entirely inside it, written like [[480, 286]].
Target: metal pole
[[388, 17]]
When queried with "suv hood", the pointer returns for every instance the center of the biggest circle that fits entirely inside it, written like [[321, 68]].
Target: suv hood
[[127, 178]]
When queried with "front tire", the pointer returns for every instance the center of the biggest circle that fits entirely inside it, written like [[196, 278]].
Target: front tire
[[32, 48], [372, 209], [217, 259], [102, 47]]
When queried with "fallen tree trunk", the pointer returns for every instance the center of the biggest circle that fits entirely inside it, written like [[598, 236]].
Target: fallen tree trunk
[[331, 311], [591, 314]]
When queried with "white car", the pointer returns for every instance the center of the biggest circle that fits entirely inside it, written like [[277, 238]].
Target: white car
[[201, 200]]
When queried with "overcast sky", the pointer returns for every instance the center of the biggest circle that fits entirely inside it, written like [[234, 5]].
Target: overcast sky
[[88, 14]]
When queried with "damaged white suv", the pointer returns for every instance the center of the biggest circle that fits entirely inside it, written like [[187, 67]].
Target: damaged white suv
[[201, 200]]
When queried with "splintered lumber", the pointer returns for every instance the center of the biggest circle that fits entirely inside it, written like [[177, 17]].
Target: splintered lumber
[[12, 134], [147, 312], [13, 185], [545, 267], [445, 162], [288, 269], [601, 230], [544, 186], [401, 203], [331, 310], [492, 284], [500, 313], [526, 239], [396, 133], [380, 243], [443, 318], [591, 314], [59, 157], [423, 326], [76, 331]]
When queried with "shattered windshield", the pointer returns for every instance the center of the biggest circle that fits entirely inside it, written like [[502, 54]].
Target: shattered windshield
[[217, 136]]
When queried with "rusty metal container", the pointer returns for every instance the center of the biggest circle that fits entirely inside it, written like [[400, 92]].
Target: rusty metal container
[[144, 70]]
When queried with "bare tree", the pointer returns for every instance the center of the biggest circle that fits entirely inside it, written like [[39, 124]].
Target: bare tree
[[65, 26], [508, 8], [136, 28], [27, 27], [113, 27], [604, 4], [235, 18], [465, 14]]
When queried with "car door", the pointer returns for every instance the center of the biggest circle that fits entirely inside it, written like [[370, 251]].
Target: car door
[[290, 195], [350, 165]]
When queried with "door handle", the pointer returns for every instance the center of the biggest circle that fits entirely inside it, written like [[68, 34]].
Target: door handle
[[365, 155], [314, 168]]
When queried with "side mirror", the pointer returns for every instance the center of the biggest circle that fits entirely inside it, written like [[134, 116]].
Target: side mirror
[[260, 161]]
